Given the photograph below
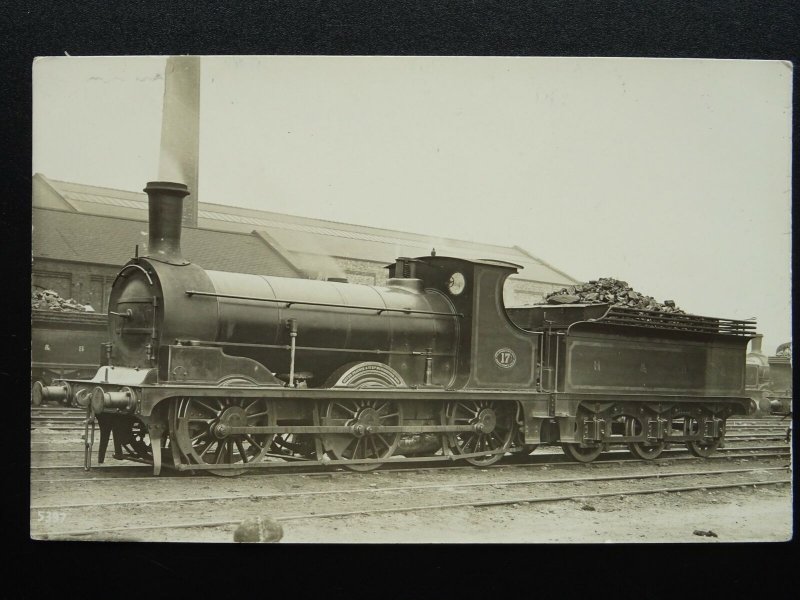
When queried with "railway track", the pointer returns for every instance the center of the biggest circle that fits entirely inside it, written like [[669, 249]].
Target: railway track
[[71, 420], [185, 508], [143, 514], [60, 455], [122, 471], [48, 458]]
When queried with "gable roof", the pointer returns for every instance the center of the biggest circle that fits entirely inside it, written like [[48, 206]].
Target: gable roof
[[305, 239]]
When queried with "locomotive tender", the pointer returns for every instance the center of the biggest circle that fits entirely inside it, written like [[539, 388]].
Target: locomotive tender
[[64, 345], [221, 372]]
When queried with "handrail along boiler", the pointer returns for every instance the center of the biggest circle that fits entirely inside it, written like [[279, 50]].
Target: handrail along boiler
[[218, 371]]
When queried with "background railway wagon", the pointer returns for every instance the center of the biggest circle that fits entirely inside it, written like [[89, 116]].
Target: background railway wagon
[[780, 391], [769, 380], [66, 345]]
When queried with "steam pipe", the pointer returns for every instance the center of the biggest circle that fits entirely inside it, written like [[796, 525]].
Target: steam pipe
[[291, 324]]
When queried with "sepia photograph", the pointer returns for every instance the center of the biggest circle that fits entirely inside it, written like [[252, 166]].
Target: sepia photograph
[[411, 299]]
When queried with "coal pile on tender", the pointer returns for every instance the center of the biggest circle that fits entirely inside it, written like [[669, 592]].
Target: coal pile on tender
[[608, 290], [50, 300]]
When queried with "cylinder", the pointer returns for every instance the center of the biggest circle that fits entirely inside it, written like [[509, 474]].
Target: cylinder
[[165, 206]]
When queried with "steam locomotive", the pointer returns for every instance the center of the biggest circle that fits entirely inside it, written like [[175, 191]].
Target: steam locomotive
[[224, 372], [768, 379]]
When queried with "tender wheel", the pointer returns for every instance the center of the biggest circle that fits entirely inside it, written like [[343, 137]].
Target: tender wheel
[[584, 455], [497, 428], [361, 414], [700, 448], [643, 450], [201, 436], [703, 449]]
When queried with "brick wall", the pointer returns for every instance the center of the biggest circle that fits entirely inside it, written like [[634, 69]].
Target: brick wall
[[520, 291], [86, 283], [368, 272]]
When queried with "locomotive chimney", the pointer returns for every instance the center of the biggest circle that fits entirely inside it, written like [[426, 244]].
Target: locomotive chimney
[[165, 204], [755, 344], [180, 130]]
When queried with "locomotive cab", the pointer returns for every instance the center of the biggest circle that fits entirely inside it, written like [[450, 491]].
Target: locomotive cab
[[492, 352]]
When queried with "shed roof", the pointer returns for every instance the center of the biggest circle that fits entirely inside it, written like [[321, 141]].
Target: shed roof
[[302, 237], [111, 240]]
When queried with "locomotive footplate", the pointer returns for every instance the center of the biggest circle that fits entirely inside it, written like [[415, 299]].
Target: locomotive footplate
[[151, 395]]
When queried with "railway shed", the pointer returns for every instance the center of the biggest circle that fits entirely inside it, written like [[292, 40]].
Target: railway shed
[[82, 235]]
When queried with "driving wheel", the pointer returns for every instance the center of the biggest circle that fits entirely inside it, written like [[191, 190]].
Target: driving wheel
[[361, 414], [202, 431], [493, 432]]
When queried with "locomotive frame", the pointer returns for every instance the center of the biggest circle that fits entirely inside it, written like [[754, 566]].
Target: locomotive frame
[[271, 372]]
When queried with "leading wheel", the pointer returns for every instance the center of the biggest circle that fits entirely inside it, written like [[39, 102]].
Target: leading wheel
[[201, 435], [136, 441], [643, 450], [494, 422]]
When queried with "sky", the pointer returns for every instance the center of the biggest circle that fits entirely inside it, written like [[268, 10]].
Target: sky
[[671, 174]]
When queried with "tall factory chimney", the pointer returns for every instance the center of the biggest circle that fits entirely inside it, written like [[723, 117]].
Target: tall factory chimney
[[180, 130]]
